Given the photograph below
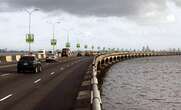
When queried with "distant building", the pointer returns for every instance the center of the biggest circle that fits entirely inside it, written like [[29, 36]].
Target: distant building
[[146, 49], [3, 50]]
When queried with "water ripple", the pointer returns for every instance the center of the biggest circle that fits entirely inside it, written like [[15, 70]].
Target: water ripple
[[143, 84]]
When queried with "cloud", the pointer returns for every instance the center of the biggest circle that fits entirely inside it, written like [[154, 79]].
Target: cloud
[[140, 11], [177, 2], [91, 7]]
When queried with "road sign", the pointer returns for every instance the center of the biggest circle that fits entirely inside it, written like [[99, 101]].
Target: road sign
[[85, 46], [92, 47], [67, 44], [53, 42], [78, 45], [104, 48], [29, 38]]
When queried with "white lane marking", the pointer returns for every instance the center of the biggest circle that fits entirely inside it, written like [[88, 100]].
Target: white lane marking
[[52, 73], [38, 80], [61, 68], [8, 96], [67, 65], [4, 74]]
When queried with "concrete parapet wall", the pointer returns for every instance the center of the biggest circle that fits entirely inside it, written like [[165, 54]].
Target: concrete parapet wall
[[2, 59], [10, 58], [15, 58]]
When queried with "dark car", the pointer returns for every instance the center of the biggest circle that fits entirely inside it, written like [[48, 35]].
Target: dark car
[[66, 52], [29, 63], [79, 54]]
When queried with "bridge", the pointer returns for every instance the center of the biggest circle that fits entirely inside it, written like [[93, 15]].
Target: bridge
[[71, 83]]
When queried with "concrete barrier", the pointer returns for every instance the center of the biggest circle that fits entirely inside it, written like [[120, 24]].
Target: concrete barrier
[[9, 59], [14, 58], [2, 59]]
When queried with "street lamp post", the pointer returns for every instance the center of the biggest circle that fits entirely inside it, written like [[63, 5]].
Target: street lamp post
[[92, 48], [53, 40], [78, 46], [68, 44], [30, 36]]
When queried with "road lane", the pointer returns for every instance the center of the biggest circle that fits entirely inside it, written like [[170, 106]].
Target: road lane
[[14, 79], [29, 96], [64, 95]]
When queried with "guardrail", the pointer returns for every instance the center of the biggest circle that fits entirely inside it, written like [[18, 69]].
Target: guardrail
[[115, 57]]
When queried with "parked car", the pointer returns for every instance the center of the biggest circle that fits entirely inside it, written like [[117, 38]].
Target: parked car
[[29, 63], [51, 58], [66, 52]]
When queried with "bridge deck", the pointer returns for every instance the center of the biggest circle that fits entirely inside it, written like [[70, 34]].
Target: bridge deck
[[56, 88]]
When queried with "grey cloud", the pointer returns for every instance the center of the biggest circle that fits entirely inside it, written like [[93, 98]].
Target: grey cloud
[[177, 2], [92, 7]]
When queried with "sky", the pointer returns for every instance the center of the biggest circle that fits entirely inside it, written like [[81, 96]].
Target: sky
[[105, 23]]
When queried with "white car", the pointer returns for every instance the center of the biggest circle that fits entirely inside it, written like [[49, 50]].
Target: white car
[[51, 58]]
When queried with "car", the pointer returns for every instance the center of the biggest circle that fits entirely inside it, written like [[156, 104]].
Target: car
[[29, 63], [87, 53], [51, 58], [41, 54], [66, 52], [79, 54]]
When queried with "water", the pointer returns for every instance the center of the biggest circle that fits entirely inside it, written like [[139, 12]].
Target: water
[[143, 84]]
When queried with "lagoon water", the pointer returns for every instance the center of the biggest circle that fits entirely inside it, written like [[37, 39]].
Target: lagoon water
[[152, 83]]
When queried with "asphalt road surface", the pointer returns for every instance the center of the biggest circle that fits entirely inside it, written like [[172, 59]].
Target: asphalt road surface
[[55, 88]]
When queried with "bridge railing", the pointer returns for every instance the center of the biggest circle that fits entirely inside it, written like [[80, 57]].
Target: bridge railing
[[114, 57]]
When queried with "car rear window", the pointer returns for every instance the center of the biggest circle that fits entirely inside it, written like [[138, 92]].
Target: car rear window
[[28, 58], [65, 50]]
